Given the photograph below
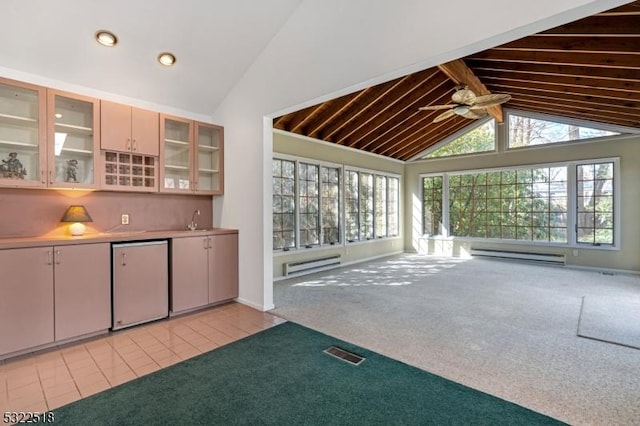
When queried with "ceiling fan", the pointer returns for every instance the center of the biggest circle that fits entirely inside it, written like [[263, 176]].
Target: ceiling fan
[[467, 104]]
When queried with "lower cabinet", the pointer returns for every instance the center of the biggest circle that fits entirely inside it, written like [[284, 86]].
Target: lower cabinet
[[73, 279], [223, 267], [204, 270], [26, 298], [82, 283]]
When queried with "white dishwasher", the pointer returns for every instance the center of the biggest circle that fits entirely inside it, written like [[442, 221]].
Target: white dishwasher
[[140, 282]]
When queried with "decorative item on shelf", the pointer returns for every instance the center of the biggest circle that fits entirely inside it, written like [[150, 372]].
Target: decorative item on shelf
[[12, 168], [71, 171], [76, 215]]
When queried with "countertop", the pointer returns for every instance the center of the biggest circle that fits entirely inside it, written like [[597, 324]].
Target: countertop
[[107, 237]]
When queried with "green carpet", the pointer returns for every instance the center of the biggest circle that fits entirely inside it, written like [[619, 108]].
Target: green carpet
[[281, 377]]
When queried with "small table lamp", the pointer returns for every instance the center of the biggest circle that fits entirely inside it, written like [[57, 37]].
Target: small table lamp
[[76, 215]]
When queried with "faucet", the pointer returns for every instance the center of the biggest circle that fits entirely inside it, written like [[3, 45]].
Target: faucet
[[193, 225]]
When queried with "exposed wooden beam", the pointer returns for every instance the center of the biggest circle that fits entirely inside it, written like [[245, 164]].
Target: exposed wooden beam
[[461, 74]]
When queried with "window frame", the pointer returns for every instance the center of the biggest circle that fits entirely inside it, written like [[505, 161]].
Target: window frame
[[571, 203], [342, 203], [508, 112]]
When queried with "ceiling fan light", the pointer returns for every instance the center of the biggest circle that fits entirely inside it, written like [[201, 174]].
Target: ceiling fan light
[[461, 109]]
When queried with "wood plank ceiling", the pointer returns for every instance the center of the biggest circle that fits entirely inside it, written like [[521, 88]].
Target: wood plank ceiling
[[588, 69]]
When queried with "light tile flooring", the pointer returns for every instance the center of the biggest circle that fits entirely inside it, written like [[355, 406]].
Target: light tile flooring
[[50, 379]]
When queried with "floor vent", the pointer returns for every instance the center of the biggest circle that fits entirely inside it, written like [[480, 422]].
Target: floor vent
[[347, 356], [310, 265], [551, 258]]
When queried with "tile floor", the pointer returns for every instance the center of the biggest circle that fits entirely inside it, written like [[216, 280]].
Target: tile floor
[[55, 377]]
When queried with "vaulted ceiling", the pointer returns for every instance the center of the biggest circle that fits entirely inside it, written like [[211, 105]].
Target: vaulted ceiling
[[588, 69]]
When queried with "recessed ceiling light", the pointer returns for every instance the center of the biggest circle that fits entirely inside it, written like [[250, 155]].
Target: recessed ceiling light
[[106, 38], [167, 59]]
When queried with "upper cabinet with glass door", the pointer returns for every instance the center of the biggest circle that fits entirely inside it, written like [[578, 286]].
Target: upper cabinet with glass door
[[176, 144], [22, 134], [73, 139], [209, 159]]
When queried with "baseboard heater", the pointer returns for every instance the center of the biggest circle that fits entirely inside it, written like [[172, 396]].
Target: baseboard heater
[[310, 265], [552, 258]]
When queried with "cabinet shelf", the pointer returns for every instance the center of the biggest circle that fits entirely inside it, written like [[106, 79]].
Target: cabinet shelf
[[77, 151], [176, 142], [174, 167], [18, 119], [20, 144], [74, 128], [208, 148]]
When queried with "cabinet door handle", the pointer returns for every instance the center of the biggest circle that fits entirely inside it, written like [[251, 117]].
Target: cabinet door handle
[[134, 146], [57, 257], [49, 262], [204, 243], [209, 242], [124, 259], [42, 177], [128, 144], [50, 176]]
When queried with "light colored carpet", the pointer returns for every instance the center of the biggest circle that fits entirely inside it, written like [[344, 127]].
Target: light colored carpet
[[611, 319], [506, 328]]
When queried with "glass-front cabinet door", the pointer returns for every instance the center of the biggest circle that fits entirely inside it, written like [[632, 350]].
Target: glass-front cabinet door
[[22, 134], [209, 156], [73, 140], [176, 141]]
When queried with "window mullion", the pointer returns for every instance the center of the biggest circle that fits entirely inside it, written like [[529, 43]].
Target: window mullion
[[572, 204], [445, 205]]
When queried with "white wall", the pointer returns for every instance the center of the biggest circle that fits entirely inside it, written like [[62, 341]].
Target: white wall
[[331, 47]]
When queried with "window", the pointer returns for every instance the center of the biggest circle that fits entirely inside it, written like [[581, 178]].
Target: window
[[366, 206], [432, 205], [352, 210], [381, 206], [308, 201], [330, 184], [480, 139], [527, 131], [520, 204], [309, 207], [525, 203], [284, 233], [595, 203], [393, 216]]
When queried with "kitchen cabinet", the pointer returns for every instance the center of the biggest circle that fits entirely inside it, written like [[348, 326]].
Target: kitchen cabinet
[[128, 129], [204, 270], [23, 151], [223, 267], [73, 140], [82, 296], [129, 172], [191, 156], [26, 299], [189, 273], [53, 294], [176, 154], [209, 159], [140, 282]]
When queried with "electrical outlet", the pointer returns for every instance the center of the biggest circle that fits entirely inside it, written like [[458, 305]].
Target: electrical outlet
[[125, 219]]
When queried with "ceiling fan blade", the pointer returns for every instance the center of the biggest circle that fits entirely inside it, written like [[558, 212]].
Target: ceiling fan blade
[[444, 115], [487, 101], [474, 114], [464, 96], [436, 107]]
